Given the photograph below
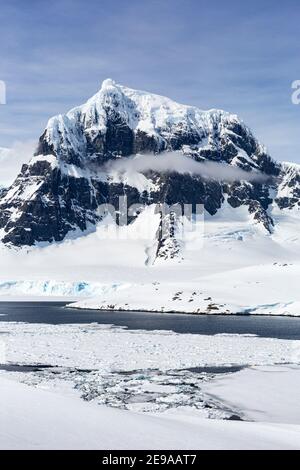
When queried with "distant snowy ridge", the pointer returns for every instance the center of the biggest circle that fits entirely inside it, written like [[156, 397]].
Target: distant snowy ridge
[[51, 288]]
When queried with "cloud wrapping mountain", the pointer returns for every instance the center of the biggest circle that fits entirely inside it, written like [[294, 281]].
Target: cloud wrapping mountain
[[12, 159], [152, 150], [175, 162]]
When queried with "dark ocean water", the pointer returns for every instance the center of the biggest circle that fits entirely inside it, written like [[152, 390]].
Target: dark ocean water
[[55, 313]]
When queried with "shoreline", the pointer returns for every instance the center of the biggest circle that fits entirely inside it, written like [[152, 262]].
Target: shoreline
[[169, 312], [178, 312]]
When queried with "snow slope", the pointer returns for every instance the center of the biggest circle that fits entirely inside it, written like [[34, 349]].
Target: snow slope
[[141, 111], [261, 393], [228, 266], [37, 419]]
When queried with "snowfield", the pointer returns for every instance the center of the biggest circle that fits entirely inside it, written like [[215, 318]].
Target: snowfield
[[38, 419], [259, 393], [43, 408], [228, 265], [255, 290]]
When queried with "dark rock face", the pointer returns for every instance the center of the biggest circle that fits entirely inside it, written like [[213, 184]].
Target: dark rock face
[[44, 147], [168, 245], [288, 196], [60, 205], [59, 192]]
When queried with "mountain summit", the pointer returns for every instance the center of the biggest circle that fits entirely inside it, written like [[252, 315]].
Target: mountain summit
[[58, 193]]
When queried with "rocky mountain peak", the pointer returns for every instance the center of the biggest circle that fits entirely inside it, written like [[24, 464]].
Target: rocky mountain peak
[[60, 189]]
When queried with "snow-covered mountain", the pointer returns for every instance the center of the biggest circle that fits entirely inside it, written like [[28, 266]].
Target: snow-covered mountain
[[58, 193]]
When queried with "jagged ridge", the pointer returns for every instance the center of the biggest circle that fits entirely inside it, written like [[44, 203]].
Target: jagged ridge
[[61, 188]]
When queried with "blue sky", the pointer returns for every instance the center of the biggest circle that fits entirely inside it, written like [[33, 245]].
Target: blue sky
[[239, 56]]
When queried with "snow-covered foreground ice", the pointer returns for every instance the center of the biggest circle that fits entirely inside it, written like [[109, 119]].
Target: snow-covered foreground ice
[[38, 419], [162, 401], [261, 393]]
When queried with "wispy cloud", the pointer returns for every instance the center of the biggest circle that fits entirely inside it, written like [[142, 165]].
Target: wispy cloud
[[11, 160], [169, 162]]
